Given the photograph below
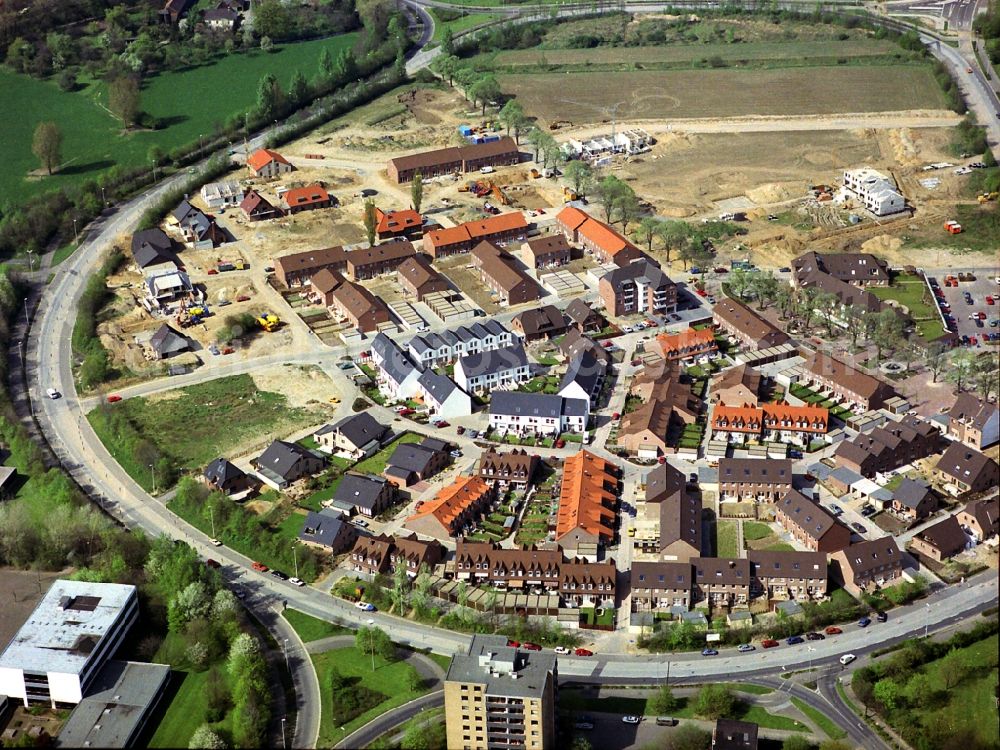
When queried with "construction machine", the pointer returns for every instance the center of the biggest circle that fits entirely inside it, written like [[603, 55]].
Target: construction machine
[[500, 195], [569, 195], [985, 197], [268, 321]]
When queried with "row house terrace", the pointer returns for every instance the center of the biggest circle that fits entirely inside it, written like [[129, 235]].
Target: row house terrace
[[436, 349], [385, 554], [661, 586], [773, 422], [688, 343], [721, 582], [514, 470], [754, 479], [788, 575]]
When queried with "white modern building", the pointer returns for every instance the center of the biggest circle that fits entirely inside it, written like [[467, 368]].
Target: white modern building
[[433, 349], [537, 414], [632, 141], [874, 190], [60, 649], [398, 377], [443, 397], [489, 370]]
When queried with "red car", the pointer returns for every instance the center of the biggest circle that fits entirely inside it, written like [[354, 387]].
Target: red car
[[259, 567], [407, 412], [769, 643], [212, 271], [512, 643], [531, 646], [616, 416], [114, 398], [583, 652], [662, 459], [990, 300], [608, 344], [228, 350], [443, 424], [701, 292], [833, 630], [243, 298], [460, 430], [982, 315], [560, 443]]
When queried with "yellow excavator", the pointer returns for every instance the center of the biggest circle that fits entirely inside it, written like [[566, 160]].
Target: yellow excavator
[[268, 321]]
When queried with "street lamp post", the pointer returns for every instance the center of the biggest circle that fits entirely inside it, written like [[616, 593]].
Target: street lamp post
[[76, 234], [152, 470], [284, 742], [295, 557], [927, 617], [285, 649], [371, 640]]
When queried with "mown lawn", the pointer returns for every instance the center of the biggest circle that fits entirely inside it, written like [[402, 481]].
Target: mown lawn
[[311, 628], [199, 423], [185, 713], [390, 679], [376, 464], [92, 140], [824, 722], [457, 25], [756, 530], [725, 539]]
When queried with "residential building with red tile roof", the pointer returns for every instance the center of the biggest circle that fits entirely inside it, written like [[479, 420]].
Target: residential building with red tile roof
[[774, 422], [306, 199], [405, 223], [596, 237], [267, 163], [736, 386], [690, 342], [455, 509], [586, 517], [441, 243]]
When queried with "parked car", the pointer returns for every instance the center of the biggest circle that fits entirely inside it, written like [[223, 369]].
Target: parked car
[[864, 622], [881, 616], [531, 646], [847, 659], [215, 542], [815, 637], [279, 575], [365, 606], [833, 630], [456, 454], [561, 650], [583, 725], [709, 652], [769, 643], [583, 652], [114, 398], [744, 648], [630, 719], [511, 643], [460, 430], [52, 393], [858, 527], [795, 640], [259, 567], [442, 423], [296, 582]]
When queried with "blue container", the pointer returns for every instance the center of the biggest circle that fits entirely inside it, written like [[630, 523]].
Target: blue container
[[465, 129], [491, 139]]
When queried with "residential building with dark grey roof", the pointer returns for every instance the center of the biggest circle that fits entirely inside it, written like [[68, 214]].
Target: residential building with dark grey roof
[[369, 496], [539, 323], [661, 586], [434, 349], [397, 375], [491, 370], [166, 342], [860, 269], [963, 469], [788, 574], [224, 476], [889, 447], [639, 288], [914, 500], [283, 463], [442, 396], [721, 582], [329, 530], [537, 413], [868, 564], [584, 378], [414, 462], [356, 436], [670, 524], [583, 317], [730, 734], [810, 524]]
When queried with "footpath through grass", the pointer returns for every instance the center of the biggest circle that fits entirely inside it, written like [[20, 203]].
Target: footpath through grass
[[391, 679], [92, 139]]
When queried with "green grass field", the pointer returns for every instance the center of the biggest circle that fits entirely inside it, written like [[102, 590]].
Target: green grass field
[[786, 52], [311, 628], [376, 464], [458, 25], [725, 539], [190, 102], [185, 714], [726, 92], [198, 423], [830, 729], [390, 679], [909, 291], [756, 530]]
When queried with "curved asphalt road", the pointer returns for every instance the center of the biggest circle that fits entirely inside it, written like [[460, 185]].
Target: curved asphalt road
[[78, 448]]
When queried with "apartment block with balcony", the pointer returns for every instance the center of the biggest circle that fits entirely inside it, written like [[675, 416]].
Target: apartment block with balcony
[[498, 697]]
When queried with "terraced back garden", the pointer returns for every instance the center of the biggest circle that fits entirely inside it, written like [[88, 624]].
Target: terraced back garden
[[910, 291], [540, 512], [813, 398]]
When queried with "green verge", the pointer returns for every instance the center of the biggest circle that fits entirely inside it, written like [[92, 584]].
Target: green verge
[[312, 628], [389, 678], [92, 140], [820, 719]]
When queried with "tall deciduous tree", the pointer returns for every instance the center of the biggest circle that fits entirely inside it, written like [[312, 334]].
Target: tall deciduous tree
[[580, 175], [417, 191], [298, 89], [47, 145], [270, 97], [123, 99], [371, 221], [513, 117]]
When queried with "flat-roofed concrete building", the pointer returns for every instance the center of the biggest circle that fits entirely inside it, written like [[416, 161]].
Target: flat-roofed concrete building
[[498, 696], [117, 707], [67, 639]]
